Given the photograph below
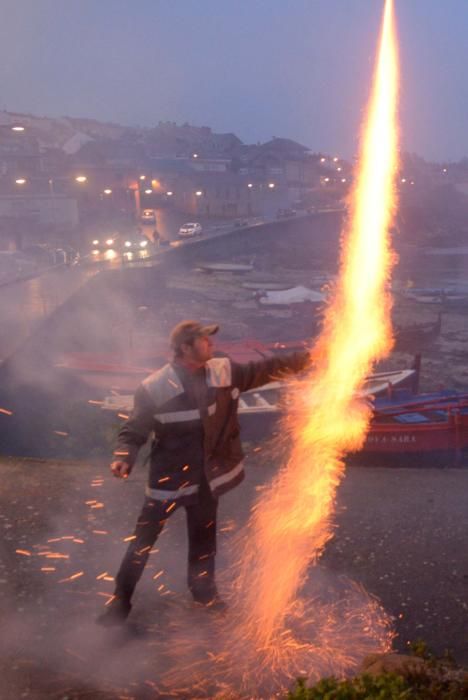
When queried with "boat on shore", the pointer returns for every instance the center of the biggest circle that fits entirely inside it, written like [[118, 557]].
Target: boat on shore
[[407, 428], [268, 400], [429, 428]]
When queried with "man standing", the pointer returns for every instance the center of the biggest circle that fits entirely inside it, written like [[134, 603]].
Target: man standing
[[191, 407]]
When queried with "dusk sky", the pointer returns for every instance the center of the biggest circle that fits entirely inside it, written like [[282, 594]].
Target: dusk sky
[[259, 68]]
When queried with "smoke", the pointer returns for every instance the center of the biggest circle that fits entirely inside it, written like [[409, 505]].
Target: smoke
[[50, 413], [50, 643]]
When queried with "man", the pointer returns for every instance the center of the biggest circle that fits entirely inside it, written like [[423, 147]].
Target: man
[[190, 405]]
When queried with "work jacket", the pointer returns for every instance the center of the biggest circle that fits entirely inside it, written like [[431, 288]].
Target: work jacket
[[193, 418]]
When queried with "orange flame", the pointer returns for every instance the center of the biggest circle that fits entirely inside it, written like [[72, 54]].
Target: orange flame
[[291, 524]]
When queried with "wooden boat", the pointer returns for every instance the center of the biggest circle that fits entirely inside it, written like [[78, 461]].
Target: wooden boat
[[246, 350], [441, 296], [427, 428], [235, 268], [267, 400]]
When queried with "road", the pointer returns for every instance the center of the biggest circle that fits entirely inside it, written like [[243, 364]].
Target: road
[[23, 305], [401, 533]]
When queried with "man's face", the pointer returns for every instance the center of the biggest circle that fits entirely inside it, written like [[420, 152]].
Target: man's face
[[201, 350]]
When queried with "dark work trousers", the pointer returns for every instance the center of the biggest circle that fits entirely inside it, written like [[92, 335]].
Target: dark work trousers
[[201, 528]]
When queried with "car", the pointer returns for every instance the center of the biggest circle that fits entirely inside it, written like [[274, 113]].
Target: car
[[103, 243], [190, 229], [148, 216], [135, 246], [285, 213]]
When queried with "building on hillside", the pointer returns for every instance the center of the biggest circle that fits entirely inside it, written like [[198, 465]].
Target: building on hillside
[[227, 195], [281, 160], [27, 219]]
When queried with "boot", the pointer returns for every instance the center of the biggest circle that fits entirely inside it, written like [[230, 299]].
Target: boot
[[116, 612], [209, 598]]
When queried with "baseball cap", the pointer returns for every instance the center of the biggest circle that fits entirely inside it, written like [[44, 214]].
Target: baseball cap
[[187, 331]]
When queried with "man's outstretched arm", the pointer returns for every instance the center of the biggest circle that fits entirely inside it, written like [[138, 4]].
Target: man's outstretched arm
[[255, 374]]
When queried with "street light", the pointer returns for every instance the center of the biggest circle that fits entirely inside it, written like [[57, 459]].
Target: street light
[[169, 194], [108, 191], [148, 191], [142, 177], [20, 181], [198, 193], [271, 185], [250, 185], [81, 178], [17, 128]]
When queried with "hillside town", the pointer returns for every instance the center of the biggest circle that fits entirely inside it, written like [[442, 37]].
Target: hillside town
[[233, 367], [66, 180]]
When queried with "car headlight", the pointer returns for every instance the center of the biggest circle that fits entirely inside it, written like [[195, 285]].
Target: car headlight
[[128, 244], [143, 244], [110, 241], [96, 242]]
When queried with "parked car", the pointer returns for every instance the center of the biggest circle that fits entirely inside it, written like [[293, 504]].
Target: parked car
[[285, 213], [190, 229], [148, 216]]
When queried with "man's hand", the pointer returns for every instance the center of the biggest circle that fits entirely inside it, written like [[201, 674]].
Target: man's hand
[[120, 469]]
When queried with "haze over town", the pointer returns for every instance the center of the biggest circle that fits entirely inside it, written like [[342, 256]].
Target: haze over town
[[260, 69], [162, 161]]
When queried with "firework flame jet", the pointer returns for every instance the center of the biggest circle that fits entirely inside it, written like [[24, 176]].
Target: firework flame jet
[[291, 523]]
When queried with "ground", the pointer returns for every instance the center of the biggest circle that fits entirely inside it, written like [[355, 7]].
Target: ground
[[400, 533]]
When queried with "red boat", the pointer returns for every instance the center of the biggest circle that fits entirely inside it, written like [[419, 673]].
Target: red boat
[[105, 371], [431, 427]]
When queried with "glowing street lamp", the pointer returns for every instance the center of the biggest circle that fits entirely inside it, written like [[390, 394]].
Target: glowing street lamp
[[195, 155], [198, 193], [108, 191], [81, 178], [20, 181], [148, 191], [17, 127], [169, 194], [250, 185], [142, 177], [271, 185]]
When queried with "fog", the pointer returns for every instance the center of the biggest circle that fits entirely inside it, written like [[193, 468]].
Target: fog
[[119, 124]]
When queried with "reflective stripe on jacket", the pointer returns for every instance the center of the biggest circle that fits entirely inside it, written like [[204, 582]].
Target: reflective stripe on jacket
[[193, 417]]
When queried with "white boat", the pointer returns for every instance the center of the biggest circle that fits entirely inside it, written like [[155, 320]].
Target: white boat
[[267, 399]]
